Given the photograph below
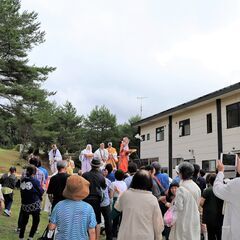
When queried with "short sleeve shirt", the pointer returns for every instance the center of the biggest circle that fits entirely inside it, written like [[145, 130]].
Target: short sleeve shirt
[[121, 185], [56, 186], [73, 219]]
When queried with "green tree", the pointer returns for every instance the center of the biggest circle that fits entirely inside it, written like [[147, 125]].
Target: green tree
[[20, 82], [69, 127], [43, 127], [100, 126]]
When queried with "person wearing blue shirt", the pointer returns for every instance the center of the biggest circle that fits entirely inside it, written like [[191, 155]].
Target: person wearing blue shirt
[[110, 173], [106, 210], [74, 218], [162, 177], [44, 170]]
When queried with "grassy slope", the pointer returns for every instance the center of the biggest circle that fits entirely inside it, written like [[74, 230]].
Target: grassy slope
[[8, 224]]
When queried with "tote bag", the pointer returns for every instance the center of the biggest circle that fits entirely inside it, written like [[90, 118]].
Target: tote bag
[[170, 217]]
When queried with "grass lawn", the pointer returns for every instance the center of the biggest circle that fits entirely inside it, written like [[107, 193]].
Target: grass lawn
[[10, 158], [9, 224]]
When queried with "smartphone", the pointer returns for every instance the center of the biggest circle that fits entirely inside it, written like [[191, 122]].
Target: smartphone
[[229, 159]]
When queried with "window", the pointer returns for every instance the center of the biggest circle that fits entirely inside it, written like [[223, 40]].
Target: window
[[184, 128], [176, 161], [143, 137], [148, 136], [159, 134], [209, 123], [209, 165], [145, 161], [233, 115]]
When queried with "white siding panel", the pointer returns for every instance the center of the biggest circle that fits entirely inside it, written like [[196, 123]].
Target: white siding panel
[[204, 145], [231, 136], [151, 148]]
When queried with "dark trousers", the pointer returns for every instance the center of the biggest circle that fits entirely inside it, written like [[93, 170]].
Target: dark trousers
[[115, 225], [24, 222], [166, 232], [214, 232], [20, 218], [106, 212], [8, 199]]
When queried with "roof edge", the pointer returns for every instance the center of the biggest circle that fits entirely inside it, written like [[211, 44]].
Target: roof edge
[[206, 97]]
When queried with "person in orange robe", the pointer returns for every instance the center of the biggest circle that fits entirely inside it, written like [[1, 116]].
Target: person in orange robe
[[112, 155], [124, 155]]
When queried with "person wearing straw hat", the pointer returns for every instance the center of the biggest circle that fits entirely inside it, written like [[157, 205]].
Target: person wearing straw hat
[[74, 218], [97, 185]]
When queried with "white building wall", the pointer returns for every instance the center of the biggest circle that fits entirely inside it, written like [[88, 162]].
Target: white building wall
[[199, 144], [151, 148], [231, 136]]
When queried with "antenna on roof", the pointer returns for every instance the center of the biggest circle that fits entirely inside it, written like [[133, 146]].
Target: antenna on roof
[[141, 105]]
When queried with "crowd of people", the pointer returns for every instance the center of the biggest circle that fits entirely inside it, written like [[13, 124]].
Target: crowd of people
[[111, 196]]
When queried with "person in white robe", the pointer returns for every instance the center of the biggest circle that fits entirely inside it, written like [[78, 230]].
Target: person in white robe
[[54, 156], [102, 154], [86, 157], [186, 205], [230, 193]]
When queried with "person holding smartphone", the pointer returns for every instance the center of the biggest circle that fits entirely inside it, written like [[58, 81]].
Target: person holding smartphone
[[230, 194]]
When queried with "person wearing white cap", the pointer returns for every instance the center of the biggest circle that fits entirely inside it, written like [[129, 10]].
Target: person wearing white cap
[[177, 178]]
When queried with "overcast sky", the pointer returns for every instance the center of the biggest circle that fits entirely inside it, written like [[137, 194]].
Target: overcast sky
[[110, 52]]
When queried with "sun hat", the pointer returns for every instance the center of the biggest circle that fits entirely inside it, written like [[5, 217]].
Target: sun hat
[[96, 162], [77, 188]]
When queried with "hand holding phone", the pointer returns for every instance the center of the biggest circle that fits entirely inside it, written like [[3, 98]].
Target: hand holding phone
[[220, 166], [229, 159]]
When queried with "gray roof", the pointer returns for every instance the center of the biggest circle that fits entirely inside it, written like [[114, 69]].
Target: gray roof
[[202, 99]]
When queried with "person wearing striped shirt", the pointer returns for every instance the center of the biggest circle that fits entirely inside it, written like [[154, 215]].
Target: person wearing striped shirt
[[74, 218]]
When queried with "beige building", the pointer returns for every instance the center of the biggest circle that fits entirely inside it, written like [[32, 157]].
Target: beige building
[[197, 131]]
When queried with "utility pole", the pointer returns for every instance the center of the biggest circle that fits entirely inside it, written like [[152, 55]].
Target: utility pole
[[141, 106]]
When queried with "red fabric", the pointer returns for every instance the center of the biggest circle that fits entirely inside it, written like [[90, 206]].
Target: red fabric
[[123, 159]]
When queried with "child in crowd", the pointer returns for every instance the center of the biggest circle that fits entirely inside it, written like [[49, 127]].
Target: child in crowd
[[70, 165], [117, 187], [8, 181], [166, 203]]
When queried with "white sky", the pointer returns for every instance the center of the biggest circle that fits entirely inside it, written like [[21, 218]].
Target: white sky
[[109, 52]]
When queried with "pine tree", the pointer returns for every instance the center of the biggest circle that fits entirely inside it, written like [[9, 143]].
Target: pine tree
[[20, 82]]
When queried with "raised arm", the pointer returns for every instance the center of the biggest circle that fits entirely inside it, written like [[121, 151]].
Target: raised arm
[[220, 189]]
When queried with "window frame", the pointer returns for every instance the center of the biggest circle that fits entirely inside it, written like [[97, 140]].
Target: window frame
[[148, 136], [229, 110], [211, 160], [183, 124], [209, 123], [161, 130]]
